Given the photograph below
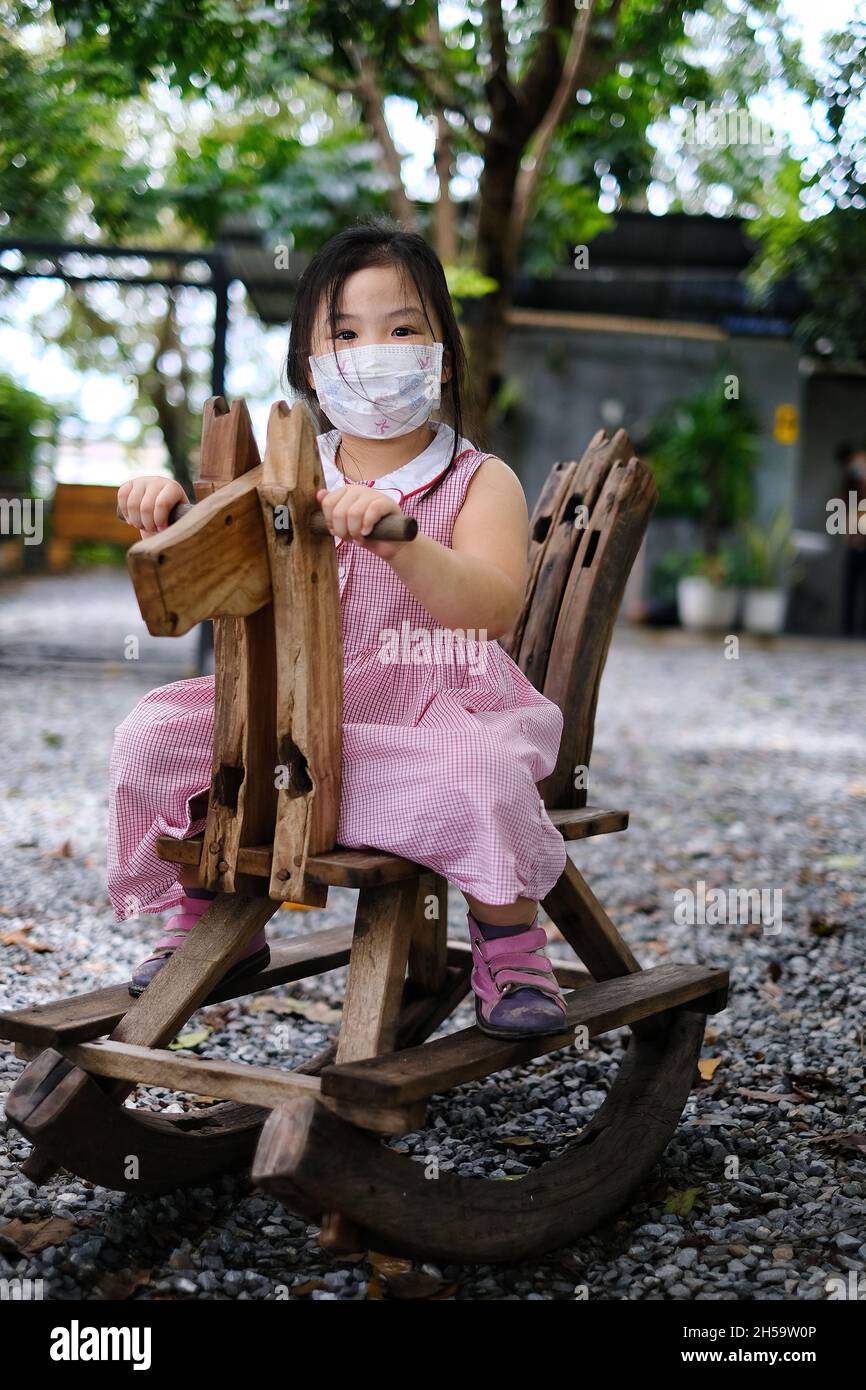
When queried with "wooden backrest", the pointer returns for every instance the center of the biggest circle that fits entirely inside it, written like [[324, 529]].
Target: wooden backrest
[[585, 532]]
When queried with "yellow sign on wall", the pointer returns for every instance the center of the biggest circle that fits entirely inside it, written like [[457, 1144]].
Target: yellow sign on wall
[[786, 426]]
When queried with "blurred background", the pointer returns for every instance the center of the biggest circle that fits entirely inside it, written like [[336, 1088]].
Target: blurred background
[[652, 216]]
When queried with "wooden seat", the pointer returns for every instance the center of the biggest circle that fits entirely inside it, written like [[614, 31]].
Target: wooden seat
[[312, 1134]]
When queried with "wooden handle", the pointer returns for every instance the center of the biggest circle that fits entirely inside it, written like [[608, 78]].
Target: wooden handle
[[389, 528]]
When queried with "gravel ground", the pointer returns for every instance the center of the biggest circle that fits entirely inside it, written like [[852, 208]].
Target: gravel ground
[[746, 773]]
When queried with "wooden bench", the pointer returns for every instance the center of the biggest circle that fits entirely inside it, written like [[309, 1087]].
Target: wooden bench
[[84, 512]]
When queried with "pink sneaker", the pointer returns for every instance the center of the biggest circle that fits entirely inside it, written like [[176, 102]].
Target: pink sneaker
[[516, 992], [255, 957]]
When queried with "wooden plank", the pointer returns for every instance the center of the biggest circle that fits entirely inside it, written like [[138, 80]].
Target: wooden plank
[[428, 950], [572, 322], [565, 538], [309, 665], [88, 512], [587, 614], [551, 501], [380, 948], [402, 1077], [356, 868], [193, 970], [155, 1066], [212, 562], [86, 1016]]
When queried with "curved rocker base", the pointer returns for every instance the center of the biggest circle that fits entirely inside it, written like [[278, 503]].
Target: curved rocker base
[[64, 1111], [305, 1147]]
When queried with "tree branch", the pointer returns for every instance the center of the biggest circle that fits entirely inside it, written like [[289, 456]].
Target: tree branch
[[372, 105], [530, 172]]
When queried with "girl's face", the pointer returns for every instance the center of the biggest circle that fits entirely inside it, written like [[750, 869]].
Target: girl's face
[[377, 305]]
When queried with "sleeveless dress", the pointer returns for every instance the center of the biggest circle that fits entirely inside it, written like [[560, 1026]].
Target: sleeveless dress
[[444, 738]]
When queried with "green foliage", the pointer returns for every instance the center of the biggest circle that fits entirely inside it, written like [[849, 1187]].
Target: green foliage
[[768, 553], [464, 282], [813, 216], [703, 451], [60, 143], [20, 411]]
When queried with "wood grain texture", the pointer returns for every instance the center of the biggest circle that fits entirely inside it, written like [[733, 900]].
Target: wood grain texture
[[384, 922], [587, 614], [306, 1148], [357, 868], [309, 666], [402, 1077]]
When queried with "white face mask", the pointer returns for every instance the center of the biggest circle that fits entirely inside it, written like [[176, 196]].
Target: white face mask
[[379, 391]]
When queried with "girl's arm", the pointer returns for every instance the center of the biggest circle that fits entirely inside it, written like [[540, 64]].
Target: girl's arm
[[480, 582]]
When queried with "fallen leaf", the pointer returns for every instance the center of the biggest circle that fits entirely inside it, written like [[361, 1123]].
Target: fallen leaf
[[304, 1290], [312, 1009], [394, 1277], [681, 1203], [845, 1141], [519, 1141], [27, 1237], [118, 1287], [189, 1040], [818, 927], [64, 852], [764, 1095], [708, 1066], [18, 937], [843, 861]]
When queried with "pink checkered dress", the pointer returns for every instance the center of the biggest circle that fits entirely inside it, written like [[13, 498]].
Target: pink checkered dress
[[443, 740]]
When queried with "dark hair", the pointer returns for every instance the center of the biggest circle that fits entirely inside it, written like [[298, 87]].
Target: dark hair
[[376, 241]]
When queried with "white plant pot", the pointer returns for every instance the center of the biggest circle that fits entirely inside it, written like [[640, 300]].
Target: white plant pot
[[764, 610], [705, 606]]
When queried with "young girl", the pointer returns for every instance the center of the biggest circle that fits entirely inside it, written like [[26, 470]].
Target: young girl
[[441, 756]]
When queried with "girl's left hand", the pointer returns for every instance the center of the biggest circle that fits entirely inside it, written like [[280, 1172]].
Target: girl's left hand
[[352, 511]]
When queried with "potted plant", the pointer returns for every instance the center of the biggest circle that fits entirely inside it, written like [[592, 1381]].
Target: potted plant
[[707, 596], [769, 556], [703, 451]]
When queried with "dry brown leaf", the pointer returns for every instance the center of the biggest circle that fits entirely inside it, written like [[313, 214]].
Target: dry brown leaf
[[118, 1287], [707, 1067], [304, 1290], [64, 852], [312, 1009], [856, 1140], [765, 1095], [29, 1236], [18, 937]]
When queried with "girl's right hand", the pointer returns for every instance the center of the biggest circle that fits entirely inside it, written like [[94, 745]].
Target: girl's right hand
[[147, 502]]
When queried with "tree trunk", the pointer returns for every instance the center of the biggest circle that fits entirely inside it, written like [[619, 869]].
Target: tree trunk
[[487, 337]]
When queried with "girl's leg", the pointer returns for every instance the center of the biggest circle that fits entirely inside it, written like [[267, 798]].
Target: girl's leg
[[503, 914], [517, 994]]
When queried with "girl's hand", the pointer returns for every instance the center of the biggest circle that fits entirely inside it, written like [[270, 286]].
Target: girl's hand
[[353, 510], [146, 502]]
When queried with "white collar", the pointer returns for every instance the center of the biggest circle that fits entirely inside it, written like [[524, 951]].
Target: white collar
[[401, 482]]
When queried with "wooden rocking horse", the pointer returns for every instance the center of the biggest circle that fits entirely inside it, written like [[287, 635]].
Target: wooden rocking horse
[[255, 555]]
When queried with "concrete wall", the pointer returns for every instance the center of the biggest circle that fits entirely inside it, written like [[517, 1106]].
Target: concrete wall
[[573, 382]]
